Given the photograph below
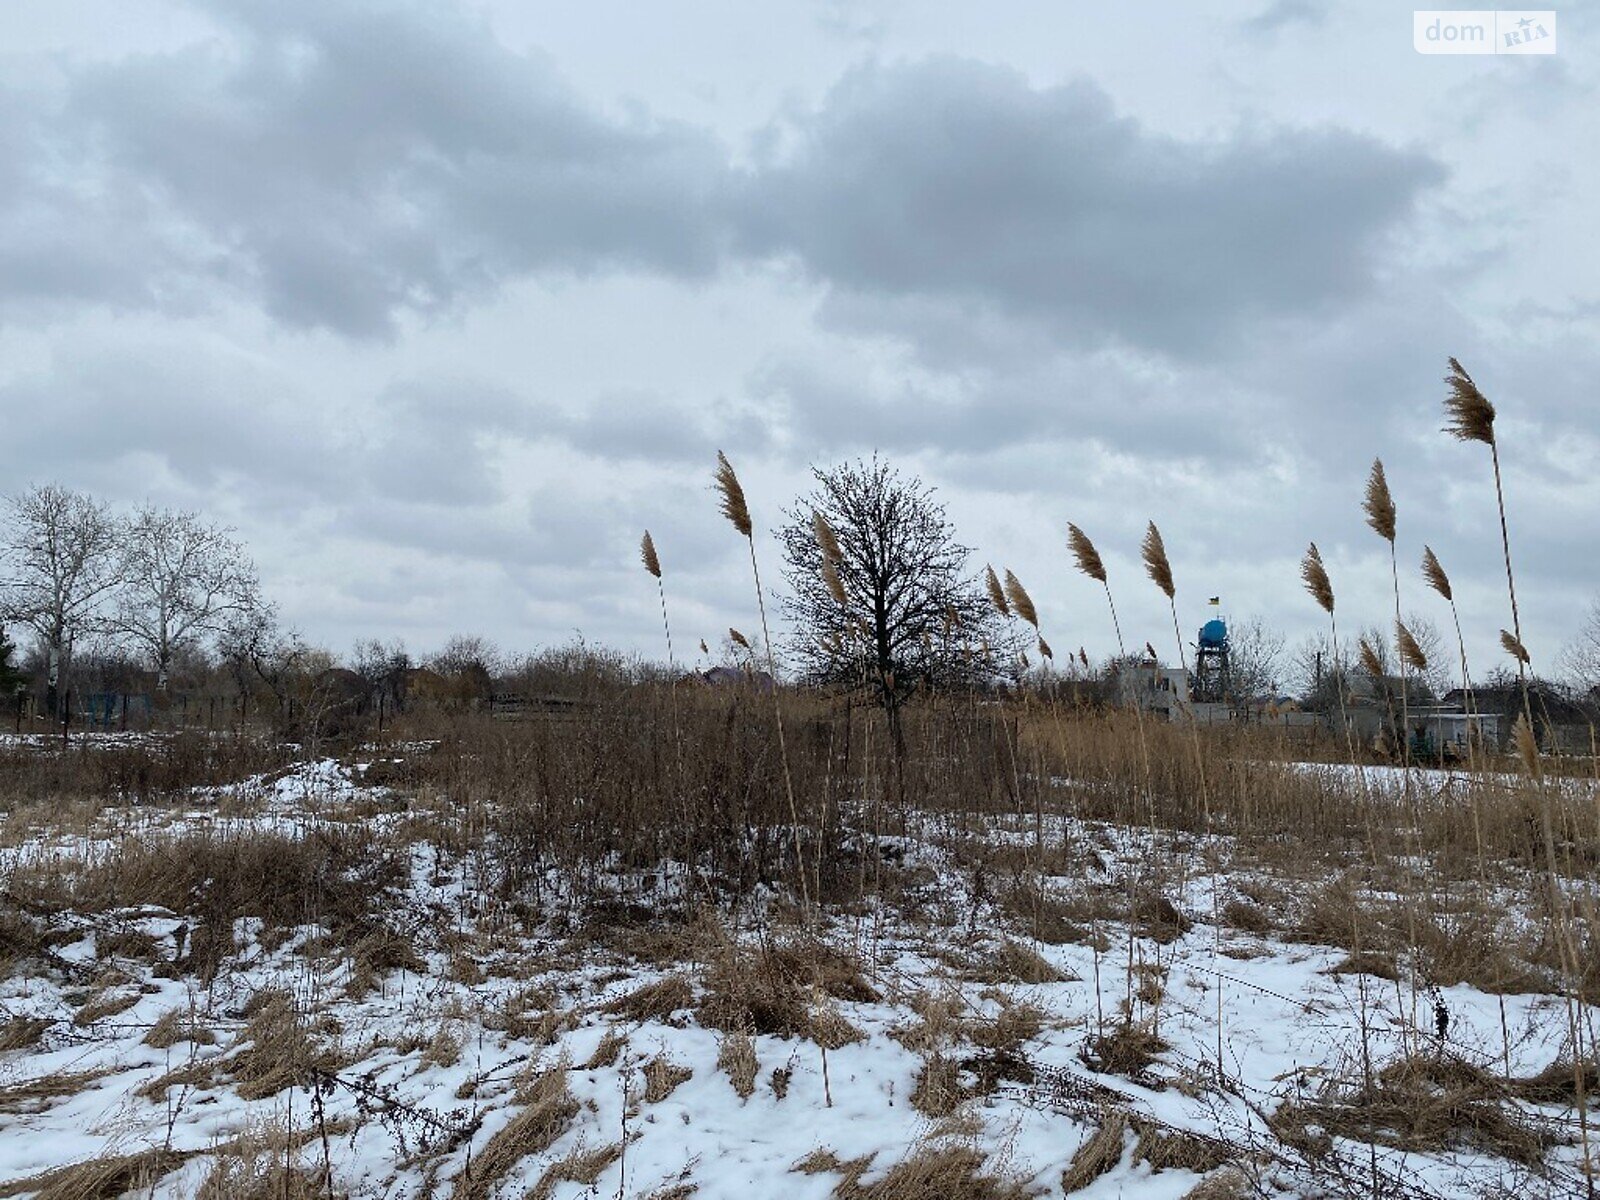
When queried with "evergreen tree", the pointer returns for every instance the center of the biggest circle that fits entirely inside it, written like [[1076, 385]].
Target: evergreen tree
[[11, 680]]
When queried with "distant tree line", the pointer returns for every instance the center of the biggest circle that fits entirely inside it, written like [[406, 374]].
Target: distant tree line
[[156, 583]]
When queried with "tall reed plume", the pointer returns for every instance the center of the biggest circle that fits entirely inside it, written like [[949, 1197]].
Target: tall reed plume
[[1378, 504], [832, 559], [1156, 565], [1470, 418], [997, 594], [1089, 562], [737, 511], [652, 564], [1314, 574], [1021, 603], [1410, 650], [1513, 646]]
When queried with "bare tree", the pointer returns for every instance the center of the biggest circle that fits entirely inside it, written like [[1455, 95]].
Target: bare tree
[[1315, 671], [386, 670], [64, 564], [1580, 660], [908, 615], [1255, 658], [256, 649], [184, 581]]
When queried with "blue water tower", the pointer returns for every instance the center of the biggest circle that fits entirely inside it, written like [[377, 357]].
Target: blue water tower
[[1211, 683]]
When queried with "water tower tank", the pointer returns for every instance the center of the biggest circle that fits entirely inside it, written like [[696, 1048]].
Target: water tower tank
[[1214, 634]]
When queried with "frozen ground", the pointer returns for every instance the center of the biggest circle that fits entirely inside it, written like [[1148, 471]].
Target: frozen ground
[[535, 1057]]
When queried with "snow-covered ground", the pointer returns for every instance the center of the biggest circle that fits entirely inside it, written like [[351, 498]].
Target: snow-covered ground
[[518, 1057]]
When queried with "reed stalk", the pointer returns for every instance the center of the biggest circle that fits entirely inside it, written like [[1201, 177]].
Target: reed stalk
[[1470, 417], [737, 511], [1088, 561], [1159, 568]]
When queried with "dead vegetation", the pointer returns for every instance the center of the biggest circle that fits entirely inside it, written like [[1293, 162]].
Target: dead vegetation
[[579, 1166], [927, 1172], [35, 1095], [108, 1178], [1418, 1103], [655, 1001], [1127, 1049], [737, 1057], [1338, 877], [547, 1109], [662, 1077], [334, 879], [175, 1026], [1100, 1153], [259, 1165], [22, 1033], [278, 1048], [784, 991]]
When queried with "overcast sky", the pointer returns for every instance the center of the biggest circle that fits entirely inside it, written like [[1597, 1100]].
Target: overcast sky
[[441, 304]]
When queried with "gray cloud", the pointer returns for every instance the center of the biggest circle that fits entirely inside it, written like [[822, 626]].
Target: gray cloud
[[339, 164], [126, 415], [640, 426], [1281, 14], [438, 439], [956, 180]]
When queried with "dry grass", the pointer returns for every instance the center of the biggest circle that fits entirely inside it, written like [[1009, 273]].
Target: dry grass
[[338, 879], [443, 1049], [579, 1166], [737, 1057], [548, 1108], [35, 1095], [1098, 1155], [784, 991], [662, 1077], [1367, 962], [1127, 1050], [1014, 962], [260, 1165], [104, 1004], [1174, 1149], [107, 1178], [1417, 1104], [194, 1075], [655, 1001], [178, 1025], [1559, 1083], [22, 1033], [277, 1048], [929, 1172], [1016, 1025], [942, 1019], [606, 1051], [938, 1089], [1230, 1183], [1246, 916]]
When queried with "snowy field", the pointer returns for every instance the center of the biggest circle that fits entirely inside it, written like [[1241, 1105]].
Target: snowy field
[[931, 1047]]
